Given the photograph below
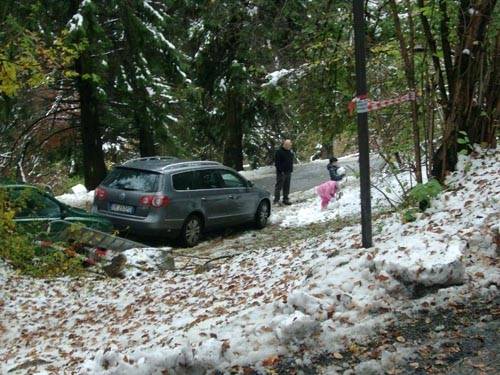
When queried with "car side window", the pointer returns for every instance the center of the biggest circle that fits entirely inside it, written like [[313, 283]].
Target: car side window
[[232, 180], [30, 203], [208, 179], [183, 181]]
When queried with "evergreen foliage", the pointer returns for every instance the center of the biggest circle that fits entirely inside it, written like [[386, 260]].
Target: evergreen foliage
[[84, 84]]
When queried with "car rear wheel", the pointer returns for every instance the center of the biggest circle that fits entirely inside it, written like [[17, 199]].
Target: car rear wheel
[[262, 214], [191, 231]]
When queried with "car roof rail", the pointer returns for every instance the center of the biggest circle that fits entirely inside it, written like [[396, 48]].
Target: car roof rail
[[146, 158], [195, 163]]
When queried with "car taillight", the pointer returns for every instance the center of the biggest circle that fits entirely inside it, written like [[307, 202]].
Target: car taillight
[[100, 194], [155, 200], [160, 201], [146, 200]]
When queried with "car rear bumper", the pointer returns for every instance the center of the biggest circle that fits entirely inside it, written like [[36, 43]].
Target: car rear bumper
[[149, 226]]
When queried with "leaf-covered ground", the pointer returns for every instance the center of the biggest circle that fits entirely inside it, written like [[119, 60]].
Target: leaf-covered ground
[[304, 295]]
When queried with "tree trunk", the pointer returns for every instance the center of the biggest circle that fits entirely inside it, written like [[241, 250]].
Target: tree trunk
[[94, 168], [146, 138], [142, 119], [410, 78], [326, 150], [445, 42], [486, 122], [469, 83], [430, 125], [435, 59], [233, 143]]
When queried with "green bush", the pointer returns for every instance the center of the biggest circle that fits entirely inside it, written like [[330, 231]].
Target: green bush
[[20, 249], [410, 215], [422, 194], [65, 184]]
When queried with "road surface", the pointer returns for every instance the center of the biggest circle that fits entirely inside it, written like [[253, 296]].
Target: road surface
[[307, 175]]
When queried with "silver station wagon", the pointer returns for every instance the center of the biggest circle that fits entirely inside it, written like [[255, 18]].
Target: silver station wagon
[[172, 198]]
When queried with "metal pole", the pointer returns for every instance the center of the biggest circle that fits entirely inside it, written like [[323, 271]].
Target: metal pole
[[363, 136]]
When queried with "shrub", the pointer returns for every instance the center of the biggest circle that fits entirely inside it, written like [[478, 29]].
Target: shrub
[[27, 255], [410, 215], [422, 194]]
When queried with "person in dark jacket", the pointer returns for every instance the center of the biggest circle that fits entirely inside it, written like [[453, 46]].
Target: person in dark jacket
[[333, 168], [283, 161]]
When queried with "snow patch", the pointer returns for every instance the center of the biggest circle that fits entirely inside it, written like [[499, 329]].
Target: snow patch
[[274, 77], [153, 11], [314, 291], [429, 261], [79, 197], [79, 189], [296, 327], [75, 22]]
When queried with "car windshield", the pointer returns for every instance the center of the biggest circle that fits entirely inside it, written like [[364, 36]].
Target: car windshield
[[29, 202], [132, 179]]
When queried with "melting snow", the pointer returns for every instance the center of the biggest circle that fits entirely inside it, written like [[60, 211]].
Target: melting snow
[[316, 294], [274, 77], [75, 22]]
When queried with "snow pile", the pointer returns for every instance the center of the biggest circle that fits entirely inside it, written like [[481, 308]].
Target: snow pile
[[307, 207], [387, 363], [144, 260], [79, 197], [79, 189], [426, 261], [322, 293], [295, 327], [309, 211]]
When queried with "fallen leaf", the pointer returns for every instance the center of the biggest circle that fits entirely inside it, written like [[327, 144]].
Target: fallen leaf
[[225, 346], [337, 355], [271, 361], [478, 365], [382, 277], [330, 311], [375, 353], [400, 339]]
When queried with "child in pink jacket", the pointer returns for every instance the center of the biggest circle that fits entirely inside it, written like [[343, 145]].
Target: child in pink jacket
[[326, 192]]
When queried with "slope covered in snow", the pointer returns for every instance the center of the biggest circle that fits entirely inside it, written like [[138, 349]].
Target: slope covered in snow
[[321, 293]]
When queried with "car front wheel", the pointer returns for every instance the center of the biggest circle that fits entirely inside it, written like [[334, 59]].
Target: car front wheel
[[262, 214], [191, 231]]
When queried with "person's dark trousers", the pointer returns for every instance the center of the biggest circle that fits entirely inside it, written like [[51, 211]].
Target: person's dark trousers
[[282, 183]]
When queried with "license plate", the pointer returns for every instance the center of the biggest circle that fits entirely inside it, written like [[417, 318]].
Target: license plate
[[121, 208]]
